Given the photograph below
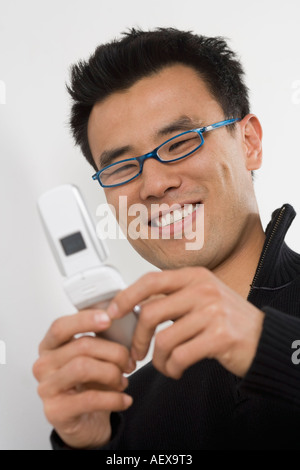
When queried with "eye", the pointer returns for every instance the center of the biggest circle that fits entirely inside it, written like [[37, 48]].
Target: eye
[[177, 145], [122, 168], [127, 167], [183, 144]]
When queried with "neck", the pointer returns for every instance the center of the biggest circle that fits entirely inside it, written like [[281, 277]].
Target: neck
[[238, 270]]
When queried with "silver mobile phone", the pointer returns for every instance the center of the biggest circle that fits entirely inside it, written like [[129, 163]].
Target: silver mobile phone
[[80, 256]]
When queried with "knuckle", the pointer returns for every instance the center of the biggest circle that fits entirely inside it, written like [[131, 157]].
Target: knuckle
[[113, 375], [223, 333], [216, 312], [178, 359], [121, 355], [37, 369], [149, 279], [208, 288], [218, 294], [158, 365], [52, 411], [55, 329], [40, 366], [213, 310], [148, 317], [138, 343], [79, 368], [122, 297], [220, 333], [161, 342], [43, 390], [83, 345], [192, 291]]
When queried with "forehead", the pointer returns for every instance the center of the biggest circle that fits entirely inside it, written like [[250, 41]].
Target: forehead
[[148, 105]]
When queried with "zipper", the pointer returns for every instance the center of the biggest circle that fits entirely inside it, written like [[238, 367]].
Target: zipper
[[278, 220]]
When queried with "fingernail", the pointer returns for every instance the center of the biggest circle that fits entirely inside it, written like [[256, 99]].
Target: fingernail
[[124, 382], [131, 365], [112, 310], [101, 318], [134, 355]]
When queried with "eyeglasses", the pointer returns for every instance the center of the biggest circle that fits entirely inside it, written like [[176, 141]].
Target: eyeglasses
[[174, 149]]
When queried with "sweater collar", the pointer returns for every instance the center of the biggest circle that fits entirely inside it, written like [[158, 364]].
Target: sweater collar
[[276, 264]]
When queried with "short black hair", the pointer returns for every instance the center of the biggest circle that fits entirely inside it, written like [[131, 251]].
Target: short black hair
[[117, 65]]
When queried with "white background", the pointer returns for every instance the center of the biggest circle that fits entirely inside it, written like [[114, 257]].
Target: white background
[[38, 42]]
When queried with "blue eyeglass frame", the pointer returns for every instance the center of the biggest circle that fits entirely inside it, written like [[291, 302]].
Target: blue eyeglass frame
[[154, 153]]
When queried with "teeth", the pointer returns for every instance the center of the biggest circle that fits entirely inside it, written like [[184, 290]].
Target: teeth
[[175, 216], [190, 208], [186, 211]]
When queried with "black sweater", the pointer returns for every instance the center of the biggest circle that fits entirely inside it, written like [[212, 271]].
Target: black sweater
[[210, 408]]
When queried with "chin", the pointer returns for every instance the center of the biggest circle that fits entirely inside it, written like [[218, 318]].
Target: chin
[[166, 260]]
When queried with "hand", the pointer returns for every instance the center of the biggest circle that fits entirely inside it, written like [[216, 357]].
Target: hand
[[210, 321], [81, 380]]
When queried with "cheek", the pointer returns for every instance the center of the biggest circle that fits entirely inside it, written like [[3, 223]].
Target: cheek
[[211, 168], [223, 168], [120, 204], [113, 200]]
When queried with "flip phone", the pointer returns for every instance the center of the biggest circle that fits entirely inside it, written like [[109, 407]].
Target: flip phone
[[80, 256]]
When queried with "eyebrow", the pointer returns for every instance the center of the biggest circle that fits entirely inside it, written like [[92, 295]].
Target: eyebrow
[[108, 156], [184, 123]]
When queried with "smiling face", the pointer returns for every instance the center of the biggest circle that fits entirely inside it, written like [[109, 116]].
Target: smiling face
[[218, 175]]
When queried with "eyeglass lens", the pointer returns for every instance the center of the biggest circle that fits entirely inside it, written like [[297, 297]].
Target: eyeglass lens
[[174, 149]]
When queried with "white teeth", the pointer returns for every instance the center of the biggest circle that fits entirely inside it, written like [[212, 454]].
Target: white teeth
[[190, 208], [175, 216], [168, 219], [186, 211], [178, 215]]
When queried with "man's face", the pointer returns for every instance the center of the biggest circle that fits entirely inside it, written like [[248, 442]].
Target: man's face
[[215, 175]]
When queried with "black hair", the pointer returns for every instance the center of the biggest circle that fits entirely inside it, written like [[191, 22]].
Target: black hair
[[117, 65]]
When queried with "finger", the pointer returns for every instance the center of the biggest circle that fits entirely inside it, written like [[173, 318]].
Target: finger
[[66, 407], [189, 353], [98, 348], [164, 282], [63, 329], [154, 313], [180, 332], [172, 307], [82, 370]]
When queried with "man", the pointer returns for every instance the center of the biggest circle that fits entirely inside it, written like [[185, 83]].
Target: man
[[222, 376]]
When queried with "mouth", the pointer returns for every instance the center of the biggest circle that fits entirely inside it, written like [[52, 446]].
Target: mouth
[[174, 215]]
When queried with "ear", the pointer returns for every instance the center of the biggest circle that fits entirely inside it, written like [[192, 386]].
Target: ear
[[252, 139]]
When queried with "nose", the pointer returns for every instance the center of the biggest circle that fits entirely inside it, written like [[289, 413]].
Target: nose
[[157, 178]]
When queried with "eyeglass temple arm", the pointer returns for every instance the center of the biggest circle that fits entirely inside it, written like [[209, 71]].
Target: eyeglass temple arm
[[219, 124]]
